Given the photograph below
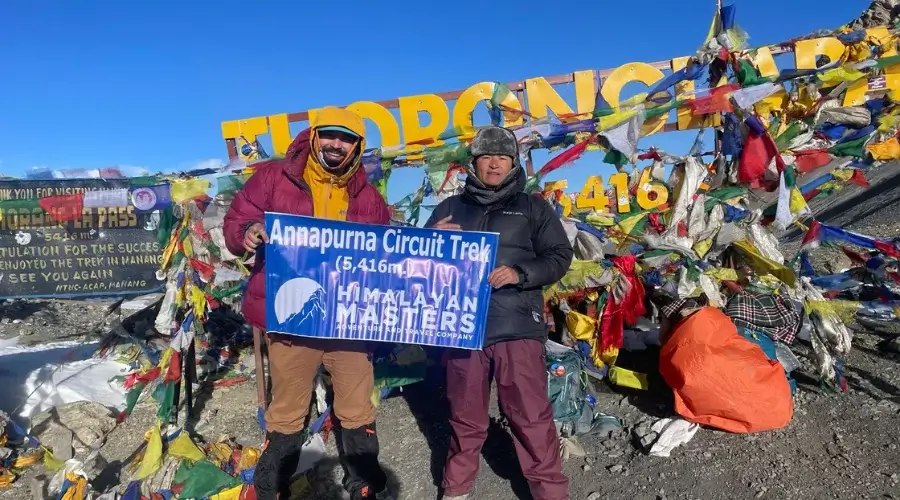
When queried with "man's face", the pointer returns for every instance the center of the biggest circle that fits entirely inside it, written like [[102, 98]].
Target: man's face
[[335, 146], [492, 169]]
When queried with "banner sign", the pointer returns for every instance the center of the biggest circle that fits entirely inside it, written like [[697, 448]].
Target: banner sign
[[107, 250], [343, 280]]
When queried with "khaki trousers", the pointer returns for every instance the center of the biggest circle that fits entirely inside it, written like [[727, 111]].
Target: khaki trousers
[[293, 365]]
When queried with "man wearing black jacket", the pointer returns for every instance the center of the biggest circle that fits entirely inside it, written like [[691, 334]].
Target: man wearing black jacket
[[534, 252]]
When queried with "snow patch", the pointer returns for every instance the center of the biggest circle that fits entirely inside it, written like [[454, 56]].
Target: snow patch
[[29, 377]]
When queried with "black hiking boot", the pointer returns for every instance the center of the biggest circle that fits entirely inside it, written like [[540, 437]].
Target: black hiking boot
[[358, 451], [276, 465]]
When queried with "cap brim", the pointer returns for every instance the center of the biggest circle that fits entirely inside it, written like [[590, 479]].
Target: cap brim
[[336, 128]]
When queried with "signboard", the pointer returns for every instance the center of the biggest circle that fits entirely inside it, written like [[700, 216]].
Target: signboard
[[107, 251], [539, 96], [342, 280]]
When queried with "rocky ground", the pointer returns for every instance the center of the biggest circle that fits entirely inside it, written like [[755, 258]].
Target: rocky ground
[[838, 445]]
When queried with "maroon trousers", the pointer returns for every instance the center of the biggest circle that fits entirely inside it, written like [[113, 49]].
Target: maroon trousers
[[520, 371]]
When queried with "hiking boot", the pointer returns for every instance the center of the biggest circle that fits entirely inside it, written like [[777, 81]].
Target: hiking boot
[[277, 464], [358, 452]]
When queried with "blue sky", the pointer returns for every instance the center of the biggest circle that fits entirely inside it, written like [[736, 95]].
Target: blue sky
[[99, 83]]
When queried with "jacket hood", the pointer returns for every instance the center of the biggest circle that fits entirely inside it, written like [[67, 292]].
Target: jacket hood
[[299, 159]]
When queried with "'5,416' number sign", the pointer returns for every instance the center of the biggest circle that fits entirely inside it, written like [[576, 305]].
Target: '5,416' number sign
[[649, 195]]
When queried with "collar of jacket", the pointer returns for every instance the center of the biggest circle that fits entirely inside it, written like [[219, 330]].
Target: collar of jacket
[[484, 195], [298, 155]]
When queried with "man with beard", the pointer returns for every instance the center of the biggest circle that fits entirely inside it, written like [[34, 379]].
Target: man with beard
[[320, 176], [534, 252]]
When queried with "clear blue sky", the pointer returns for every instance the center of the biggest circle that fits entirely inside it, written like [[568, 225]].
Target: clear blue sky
[[98, 83]]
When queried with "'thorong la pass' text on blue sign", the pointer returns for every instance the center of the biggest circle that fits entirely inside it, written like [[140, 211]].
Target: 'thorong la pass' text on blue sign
[[344, 280]]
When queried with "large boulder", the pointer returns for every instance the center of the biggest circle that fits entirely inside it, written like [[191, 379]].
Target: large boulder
[[80, 424]]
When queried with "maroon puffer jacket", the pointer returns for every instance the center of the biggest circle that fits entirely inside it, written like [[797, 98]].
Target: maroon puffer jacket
[[278, 186]]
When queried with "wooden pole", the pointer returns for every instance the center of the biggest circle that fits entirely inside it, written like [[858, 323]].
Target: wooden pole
[[260, 368]]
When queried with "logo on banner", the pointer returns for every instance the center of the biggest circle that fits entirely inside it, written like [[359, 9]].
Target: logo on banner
[[300, 304], [351, 281], [143, 198]]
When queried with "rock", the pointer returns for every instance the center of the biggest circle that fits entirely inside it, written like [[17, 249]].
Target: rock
[[59, 439], [595, 495], [88, 422], [707, 455], [585, 467], [648, 440], [615, 454], [38, 488], [609, 444], [17, 321], [616, 468]]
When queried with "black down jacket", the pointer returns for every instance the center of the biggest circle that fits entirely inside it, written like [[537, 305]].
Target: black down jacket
[[532, 241]]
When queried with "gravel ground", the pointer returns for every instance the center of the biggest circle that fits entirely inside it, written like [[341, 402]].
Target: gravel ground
[[838, 446]]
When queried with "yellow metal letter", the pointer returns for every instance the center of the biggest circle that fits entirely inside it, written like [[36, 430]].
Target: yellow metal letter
[[592, 195], [806, 51], [280, 132], [633, 72], [413, 131], [248, 129], [541, 96], [465, 107], [383, 119]]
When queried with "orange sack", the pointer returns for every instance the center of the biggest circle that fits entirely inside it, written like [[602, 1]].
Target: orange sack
[[721, 379]]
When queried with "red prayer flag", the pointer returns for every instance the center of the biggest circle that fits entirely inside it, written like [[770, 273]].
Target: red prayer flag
[[758, 151], [811, 159], [718, 101], [565, 157], [859, 178], [173, 373], [64, 207]]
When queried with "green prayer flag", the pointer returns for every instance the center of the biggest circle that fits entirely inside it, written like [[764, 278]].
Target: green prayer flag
[[202, 479], [855, 148], [748, 76], [887, 61], [615, 157]]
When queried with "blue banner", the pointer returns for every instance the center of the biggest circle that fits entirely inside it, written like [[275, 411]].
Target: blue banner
[[344, 280]]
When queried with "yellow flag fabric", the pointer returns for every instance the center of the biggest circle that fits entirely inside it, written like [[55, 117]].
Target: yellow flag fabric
[[764, 266], [152, 456], [722, 274], [838, 75], [184, 447], [188, 189], [608, 121], [229, 494], [887, 150]]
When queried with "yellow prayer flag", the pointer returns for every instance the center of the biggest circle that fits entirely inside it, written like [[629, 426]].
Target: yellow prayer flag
[[797, 203], [887, 150], [608, 121], [722, 274], [763, 265], [842, 74], [184, 447], [233, 493], [188, 189], [152, 456], [628, 378]]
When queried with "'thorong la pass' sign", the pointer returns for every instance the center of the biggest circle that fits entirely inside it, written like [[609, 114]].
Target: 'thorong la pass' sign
[[107, 251]]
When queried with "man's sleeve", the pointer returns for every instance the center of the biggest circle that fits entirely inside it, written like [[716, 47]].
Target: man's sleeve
[[551, 245], [440, 211], [247, 208]]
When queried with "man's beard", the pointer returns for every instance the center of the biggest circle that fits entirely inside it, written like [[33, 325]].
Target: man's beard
[[333, 162]]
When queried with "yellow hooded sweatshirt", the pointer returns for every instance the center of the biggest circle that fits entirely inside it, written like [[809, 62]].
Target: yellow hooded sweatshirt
[[329, 191]]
